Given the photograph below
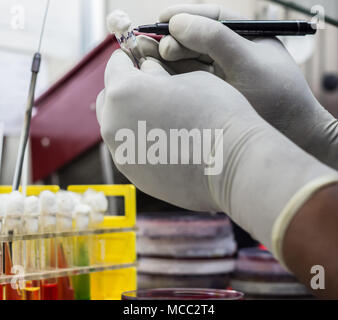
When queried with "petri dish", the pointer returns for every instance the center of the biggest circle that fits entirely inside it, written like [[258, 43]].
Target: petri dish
[[182, 294], [259, 275]]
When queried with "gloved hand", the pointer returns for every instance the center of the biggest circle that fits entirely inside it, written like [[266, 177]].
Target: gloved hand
[[261, 69], [256, 175]]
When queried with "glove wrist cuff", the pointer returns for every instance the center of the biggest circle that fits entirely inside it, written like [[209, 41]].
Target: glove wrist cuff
[[295, 203]]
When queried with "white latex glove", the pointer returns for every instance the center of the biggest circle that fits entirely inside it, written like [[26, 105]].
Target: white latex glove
[[261, 69], [265, 178]]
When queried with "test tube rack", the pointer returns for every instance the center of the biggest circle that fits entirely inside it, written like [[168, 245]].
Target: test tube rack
[[112, 270]]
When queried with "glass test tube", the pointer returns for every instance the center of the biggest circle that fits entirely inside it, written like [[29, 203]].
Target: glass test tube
[[13, 250], [65, 245], [99, 205], [82, 252], [120, 25], [31, 247], [48, 210]]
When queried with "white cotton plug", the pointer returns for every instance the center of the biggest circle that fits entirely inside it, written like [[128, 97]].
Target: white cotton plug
[[31, 206], [15, 204], [97, 200], [31, 214], [99, 204], [48, 202], [77, 198], [14, 211], [48, 208], [65, 205], [82, 214], [118, 22]]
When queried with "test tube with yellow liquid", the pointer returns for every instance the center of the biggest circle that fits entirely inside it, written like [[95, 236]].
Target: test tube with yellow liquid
[[31, 247]]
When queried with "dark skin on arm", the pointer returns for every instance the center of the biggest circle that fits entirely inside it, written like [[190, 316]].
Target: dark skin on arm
[[312, 239]]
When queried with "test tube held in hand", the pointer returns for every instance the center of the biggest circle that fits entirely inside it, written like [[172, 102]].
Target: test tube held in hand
[[119, 24]]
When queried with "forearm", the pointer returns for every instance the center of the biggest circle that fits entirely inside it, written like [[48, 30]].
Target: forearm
[[316, 132], [312, 239]]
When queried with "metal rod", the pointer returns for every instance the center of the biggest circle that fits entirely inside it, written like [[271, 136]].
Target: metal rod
[[43, 25], [24, 133], [29, 106]]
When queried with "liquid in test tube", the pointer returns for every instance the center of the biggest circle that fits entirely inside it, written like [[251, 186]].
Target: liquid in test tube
[[48, 211], [82, 252], [65, 246], [13, 250], [32, 247]]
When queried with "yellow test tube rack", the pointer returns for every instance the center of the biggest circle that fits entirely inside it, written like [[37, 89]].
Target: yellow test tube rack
[[120, 247], [109, 248]]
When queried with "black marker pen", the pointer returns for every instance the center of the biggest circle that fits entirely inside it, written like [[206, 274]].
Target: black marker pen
[[257, 28]]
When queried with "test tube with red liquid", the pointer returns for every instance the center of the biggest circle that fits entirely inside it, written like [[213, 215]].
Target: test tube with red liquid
[[65, 245]]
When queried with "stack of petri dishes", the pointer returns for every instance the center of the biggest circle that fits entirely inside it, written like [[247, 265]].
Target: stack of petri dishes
[[185, 250], [260, 276]]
